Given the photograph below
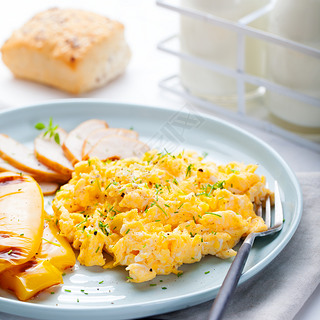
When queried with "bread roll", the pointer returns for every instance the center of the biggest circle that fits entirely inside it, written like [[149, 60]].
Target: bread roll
[[69, 49]]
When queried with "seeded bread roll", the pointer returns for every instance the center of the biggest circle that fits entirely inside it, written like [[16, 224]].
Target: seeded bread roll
[[69, 49]]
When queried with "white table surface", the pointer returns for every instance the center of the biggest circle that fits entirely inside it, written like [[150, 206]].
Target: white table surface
[[146, 24]]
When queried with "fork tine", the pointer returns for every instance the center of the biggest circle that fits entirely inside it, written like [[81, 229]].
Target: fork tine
[[267, 218], [278, 216], [258, 210]]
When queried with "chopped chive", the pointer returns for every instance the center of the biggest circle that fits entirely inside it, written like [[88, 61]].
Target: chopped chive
[[215, 214], [9, 252], [127, 231], [55, 244], [85, 220], [188, 172], [67, 290], [108, 186], [101, 282], [153, 284], [207, 272], [161, 209], [164, 288]]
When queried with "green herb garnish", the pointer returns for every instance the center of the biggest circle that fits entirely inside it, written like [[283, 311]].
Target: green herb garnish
[[204, 154], [188, 172], [50, 130], [55, 244], [161, 209], [214, 214]]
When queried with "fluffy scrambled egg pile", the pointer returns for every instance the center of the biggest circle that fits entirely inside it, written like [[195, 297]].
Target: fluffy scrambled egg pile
[[154, 214]]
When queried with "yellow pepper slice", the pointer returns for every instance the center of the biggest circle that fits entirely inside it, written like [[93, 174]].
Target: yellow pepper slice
[[21, 219], [54, 247], [54, 255], [32, 253], [27, 279]]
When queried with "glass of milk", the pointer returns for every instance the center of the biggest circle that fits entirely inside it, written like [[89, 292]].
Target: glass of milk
[[298, 21], [216, 44]]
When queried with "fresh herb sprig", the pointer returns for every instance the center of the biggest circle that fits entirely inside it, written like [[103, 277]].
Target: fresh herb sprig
[[51, 130]]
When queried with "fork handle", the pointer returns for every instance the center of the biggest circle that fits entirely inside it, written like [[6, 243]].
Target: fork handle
[[231, 280]]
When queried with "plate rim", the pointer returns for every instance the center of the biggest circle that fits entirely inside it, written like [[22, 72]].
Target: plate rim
[[191, 296]]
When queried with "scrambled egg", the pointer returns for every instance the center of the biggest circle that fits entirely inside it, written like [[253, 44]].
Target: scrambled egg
[[154, 214]]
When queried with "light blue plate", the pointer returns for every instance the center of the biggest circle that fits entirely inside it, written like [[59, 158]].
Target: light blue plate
[[106, 293]]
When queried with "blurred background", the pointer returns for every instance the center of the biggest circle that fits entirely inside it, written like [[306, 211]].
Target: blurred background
[[145, 24], [212, 54]]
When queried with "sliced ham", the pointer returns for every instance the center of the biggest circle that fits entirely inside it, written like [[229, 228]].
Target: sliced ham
[[22, 158], [96, 135], [50, 153], [72, 145], [117, 147]]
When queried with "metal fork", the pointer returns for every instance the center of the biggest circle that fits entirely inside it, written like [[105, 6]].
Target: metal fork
[[232, 278]]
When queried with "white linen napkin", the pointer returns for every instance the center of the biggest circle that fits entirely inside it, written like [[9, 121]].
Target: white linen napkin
[[281, 289]]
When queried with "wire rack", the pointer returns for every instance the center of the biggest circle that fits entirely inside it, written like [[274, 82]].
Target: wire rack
[[172, 83]]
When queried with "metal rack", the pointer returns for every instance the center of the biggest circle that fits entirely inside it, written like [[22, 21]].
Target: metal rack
[[172, 83]]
